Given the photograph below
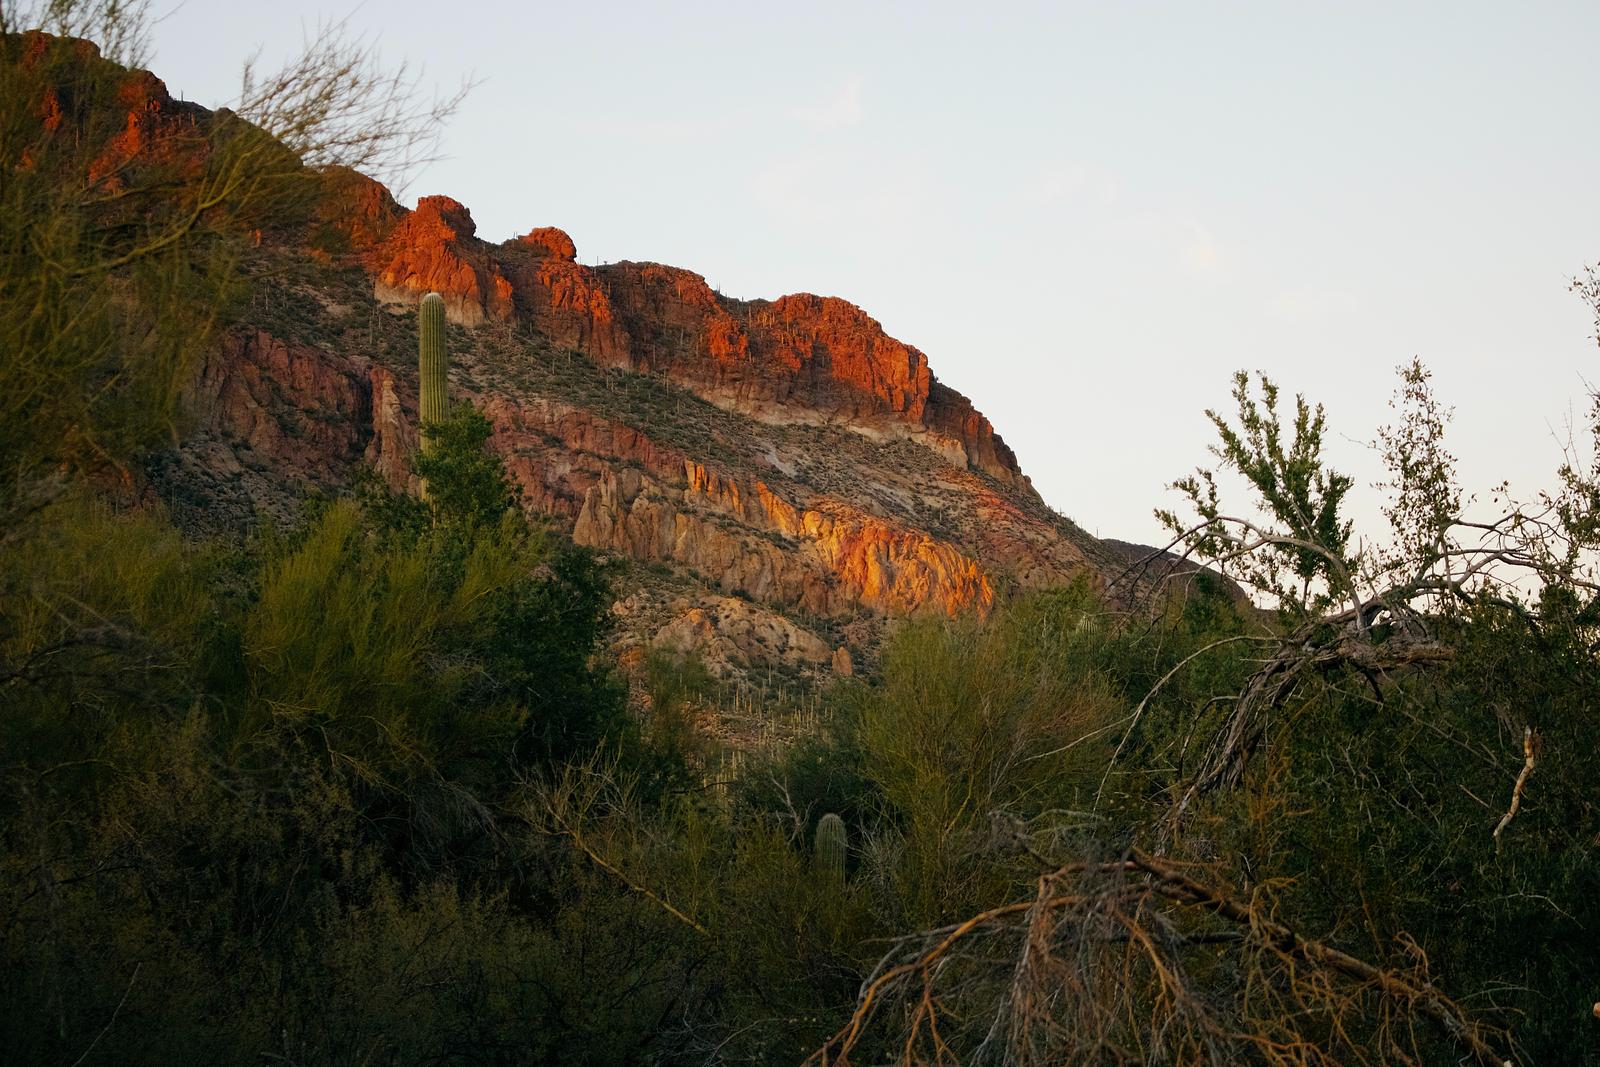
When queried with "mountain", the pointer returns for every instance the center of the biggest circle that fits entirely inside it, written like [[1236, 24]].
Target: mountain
[[781, 476]]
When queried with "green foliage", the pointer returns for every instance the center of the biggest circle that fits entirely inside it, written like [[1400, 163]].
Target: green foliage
[[383, 680], [433, 367], [1394, 804], [1299, 495], [818, 772], [1412, 743], [676, 683], [675, 679], [467, 484], [281, 801], [116, 267], [973, 719], [254, 782], [1424, 500]]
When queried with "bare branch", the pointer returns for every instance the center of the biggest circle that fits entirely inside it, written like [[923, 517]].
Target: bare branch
[[1529, 745], [1128, 995]]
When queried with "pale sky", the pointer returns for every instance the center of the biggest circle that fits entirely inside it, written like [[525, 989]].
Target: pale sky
[[1087, 215]]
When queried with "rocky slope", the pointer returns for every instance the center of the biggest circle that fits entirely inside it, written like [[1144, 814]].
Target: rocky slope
[[781, 476]]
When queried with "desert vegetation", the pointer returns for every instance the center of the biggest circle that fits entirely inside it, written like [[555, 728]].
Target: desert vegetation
[[365, 789], [367, 786]]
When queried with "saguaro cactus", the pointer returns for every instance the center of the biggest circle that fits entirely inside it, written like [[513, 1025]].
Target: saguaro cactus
[[831, 843], [433, 364]]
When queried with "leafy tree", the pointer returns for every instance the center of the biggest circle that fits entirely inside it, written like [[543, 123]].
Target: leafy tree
[[217, 758], [1358, 829]]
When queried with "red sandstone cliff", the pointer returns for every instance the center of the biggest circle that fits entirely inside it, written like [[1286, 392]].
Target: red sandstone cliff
[[800, 358], [432, 250], [782, 470], [563, 298], [797, 359]]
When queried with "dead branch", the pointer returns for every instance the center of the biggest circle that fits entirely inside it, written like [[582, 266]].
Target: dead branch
[[114, 1013], [1096, 972], [616, 872], [560, 809], [1315, 648], [1528, 746]]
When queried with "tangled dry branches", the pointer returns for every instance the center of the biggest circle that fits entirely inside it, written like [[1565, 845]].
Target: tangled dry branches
[[1141, 960]]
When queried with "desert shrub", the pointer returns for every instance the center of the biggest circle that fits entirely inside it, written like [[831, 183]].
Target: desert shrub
[[242, 782], [1393, 799], [973, 722], [819, 773]]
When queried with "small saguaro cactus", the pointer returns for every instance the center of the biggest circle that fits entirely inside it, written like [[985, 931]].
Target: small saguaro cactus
[[433, 364], [831, 843]]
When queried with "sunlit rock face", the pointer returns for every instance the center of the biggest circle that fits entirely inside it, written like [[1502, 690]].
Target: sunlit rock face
[[561, 297], [782, 476], [797, 359], [432, 250], [800, 358]]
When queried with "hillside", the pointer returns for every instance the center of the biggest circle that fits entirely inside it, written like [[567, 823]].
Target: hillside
[[782, 475], [532, 740]]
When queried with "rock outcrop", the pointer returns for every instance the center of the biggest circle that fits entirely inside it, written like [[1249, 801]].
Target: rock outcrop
[[728, 634], [798, 359], [826, 560], [127, 118], [783, 475], [564, 299], [355, 214], [432, 250], [296, 406], [394, 432]]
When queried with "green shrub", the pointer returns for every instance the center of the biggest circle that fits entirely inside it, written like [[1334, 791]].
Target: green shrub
[[973, 719]]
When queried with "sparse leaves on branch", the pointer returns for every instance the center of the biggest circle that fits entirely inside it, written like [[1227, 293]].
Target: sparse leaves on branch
[[1385, 609], [337, 103], [1424, 499], [1298, 552]]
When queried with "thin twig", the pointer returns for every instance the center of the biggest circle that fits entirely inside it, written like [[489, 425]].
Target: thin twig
[[113, 1020], [644, 891]]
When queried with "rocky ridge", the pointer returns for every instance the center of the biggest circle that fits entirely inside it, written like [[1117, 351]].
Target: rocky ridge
[[799, 358], [782, 475]]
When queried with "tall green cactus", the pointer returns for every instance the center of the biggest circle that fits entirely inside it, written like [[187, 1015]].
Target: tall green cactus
[[832, 841], [433, 364]]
